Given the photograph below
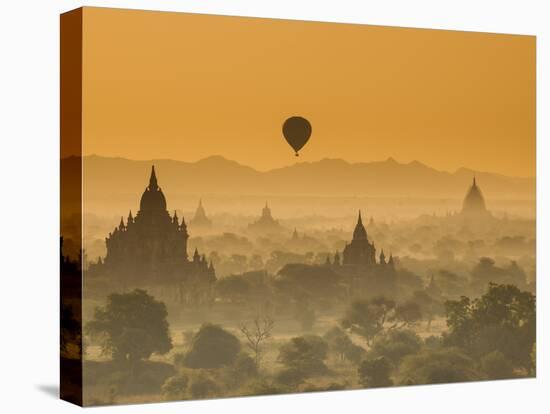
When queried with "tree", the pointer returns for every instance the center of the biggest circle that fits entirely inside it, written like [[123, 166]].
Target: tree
[[305, 354], [340, 344], [367, 318], [291, 377], [257, 335], [503, 319], [203, 385], [234, 288], [212, 347], [371, 318], [428, 303], [396, 344], [405, 315], [486, 272], [244, 367], [235, 375], [298, 280], [496, 366], [375, 372], [175, 387], [70, 332], [450, 284], [133, 326], [437, 366], [305, 314]]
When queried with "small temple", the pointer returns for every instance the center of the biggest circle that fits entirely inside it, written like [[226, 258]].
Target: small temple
[[473, 205], [200, 220], [266, 223]]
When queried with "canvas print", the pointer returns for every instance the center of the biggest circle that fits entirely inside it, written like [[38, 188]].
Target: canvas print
[[259, 206]]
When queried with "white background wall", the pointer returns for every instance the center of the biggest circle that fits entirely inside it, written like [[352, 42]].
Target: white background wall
[[29, 192]]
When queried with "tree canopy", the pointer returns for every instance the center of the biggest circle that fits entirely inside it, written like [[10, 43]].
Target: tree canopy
[[305, 354], [133, 326], [317, 282], [436, 366], [503, 319], [212, 347], [395, 345], [369, 318], [375, 372], [341, 344]]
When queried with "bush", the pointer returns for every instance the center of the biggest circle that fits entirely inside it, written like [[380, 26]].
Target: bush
[[212, 347], [203, 385], [291, 377], [242, 370], [175, 387], [179, 360], [375, 372], [433, 342], [244, 366], [340, 344], [396, 344], [437, 366], [333, 386], [496, 366], [305, 354], [265, 387]]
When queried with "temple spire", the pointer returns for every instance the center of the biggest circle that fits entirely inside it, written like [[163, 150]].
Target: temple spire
[[382, 257], [359, 232], [336, 260], [153, 184], [390, 261]]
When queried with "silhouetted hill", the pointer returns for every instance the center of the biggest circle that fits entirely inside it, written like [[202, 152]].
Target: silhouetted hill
[[118, 178]]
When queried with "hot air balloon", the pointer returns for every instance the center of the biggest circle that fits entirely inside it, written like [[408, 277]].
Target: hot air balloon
[[297, 131]]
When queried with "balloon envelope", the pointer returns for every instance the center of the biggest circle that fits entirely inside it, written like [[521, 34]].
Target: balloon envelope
[[297, 131]]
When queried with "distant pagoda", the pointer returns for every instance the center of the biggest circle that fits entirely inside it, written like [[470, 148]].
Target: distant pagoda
[[200, 220], [265, 223], [473, 205]]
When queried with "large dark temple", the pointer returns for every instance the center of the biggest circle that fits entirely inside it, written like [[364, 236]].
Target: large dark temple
[[358, 266], [360, 251], [150, 249]]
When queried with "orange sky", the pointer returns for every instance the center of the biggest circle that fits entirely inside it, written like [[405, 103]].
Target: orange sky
[[182, 86]]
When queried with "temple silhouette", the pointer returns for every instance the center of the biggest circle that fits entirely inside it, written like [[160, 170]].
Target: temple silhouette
[[360, 251], [150, 249], [200, 220], [266, 223], [473, 205]]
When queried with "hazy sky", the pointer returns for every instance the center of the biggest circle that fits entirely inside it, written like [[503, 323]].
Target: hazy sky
[[180, 86]]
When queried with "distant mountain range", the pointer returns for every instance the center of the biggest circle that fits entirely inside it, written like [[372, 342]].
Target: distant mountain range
[[108, 177]]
